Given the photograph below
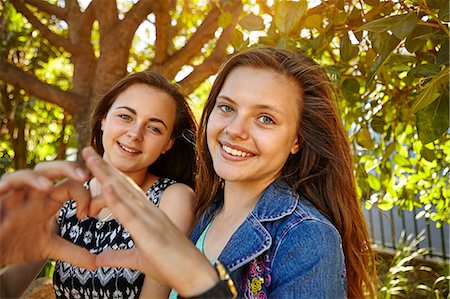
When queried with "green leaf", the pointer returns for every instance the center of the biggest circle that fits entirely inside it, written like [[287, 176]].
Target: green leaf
[[377, 123], [431, 91], [424, 70], [418, 38], [288, 14], [385, 205], [313, 21], [400, 25], [385, 51], [372, 2], [225, 19], [374, 182], [388, 152], [350, 89], [444, 13], [404, 25], [427, 154], [252, 22], [347, 49], [401, 160], [364, 139], [237, 40], [436, 3], [433, 120], [442, 57]]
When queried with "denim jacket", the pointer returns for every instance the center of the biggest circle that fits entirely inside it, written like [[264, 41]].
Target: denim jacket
[[285, 248]]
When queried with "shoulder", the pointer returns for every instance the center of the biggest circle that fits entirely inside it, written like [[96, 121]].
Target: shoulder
[[308, 226], [178, 192], [177, 202], [309, 251]]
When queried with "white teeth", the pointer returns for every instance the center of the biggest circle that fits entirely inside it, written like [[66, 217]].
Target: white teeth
[[128, 150], [235, 152]]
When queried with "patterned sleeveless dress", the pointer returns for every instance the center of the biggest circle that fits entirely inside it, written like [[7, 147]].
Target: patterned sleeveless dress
[[95, 235]]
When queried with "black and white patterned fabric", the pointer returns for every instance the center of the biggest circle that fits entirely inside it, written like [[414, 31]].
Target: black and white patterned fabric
[[95, 235]]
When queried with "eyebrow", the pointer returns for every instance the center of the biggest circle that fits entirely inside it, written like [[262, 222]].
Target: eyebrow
[[151, 119], [260, 106]]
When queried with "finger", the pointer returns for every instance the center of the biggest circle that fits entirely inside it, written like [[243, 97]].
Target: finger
[[66, 251], [97, 204], [22, 179], [61, 169], [72, 189], [119, 258], [127, 212], [14, 198], [107, 174]]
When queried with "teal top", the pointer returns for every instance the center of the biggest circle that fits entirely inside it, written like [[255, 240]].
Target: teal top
[[200, 244]]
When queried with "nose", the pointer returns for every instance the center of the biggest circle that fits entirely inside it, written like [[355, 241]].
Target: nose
[[135, 132], [238, 127]]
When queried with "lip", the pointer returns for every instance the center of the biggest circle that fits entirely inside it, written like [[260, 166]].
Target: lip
[[229, 156], [128, 149]]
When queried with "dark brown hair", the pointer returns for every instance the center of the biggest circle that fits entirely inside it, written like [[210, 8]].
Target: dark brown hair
[[322, 170], [179, 162]]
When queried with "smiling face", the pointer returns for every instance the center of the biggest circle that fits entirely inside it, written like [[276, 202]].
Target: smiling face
[[138, 128], [252, 128]]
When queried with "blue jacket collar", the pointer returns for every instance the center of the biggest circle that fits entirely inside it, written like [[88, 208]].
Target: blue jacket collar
[[252, 238]]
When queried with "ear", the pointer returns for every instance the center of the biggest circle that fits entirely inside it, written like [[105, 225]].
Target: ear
[[168, 146], [297, 145], [103, 122]]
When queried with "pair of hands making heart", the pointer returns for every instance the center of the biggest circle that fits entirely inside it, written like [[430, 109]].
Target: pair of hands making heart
[[29, 201]]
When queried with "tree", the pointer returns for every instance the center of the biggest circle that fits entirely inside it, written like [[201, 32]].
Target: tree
[[97, 41], [389, 61]]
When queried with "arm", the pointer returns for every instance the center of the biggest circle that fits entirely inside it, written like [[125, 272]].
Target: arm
[[177, 203], [309, 263]]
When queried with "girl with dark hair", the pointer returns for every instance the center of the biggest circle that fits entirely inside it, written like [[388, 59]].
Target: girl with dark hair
[[141, 126]]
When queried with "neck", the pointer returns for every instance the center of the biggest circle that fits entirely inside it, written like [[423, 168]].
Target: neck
[[139, 178], [242, 197]]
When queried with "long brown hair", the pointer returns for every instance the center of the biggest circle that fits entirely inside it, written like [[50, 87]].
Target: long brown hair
[[322, 170], [179, 162]]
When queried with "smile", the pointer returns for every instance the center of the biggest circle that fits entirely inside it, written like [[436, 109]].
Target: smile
[[235, 152], [128, 150]]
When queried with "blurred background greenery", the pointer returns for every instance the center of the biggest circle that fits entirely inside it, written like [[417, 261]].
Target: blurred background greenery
[[389, 61]]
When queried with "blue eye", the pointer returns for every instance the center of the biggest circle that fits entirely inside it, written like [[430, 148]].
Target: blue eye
[[266, 119], [225, 108], [154, 129], [124, 116]]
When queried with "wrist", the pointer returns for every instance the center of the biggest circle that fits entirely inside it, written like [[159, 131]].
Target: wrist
[[223, 287]]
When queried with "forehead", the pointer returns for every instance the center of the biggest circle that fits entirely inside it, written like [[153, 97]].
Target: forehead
[[147, 101], [142, 93], [262, 87]]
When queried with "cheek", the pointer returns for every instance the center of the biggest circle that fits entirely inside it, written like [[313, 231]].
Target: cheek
[[211, 129]]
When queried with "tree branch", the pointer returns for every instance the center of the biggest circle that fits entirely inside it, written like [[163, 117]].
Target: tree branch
[[106, 12], [51, 9], [52, 37], [19, 78], [162, 32], [139, 12], [211, 64], [204, 33], [135, 16]]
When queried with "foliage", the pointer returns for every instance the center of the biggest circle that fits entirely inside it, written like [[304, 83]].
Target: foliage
[[405, 278], [389, 61]]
